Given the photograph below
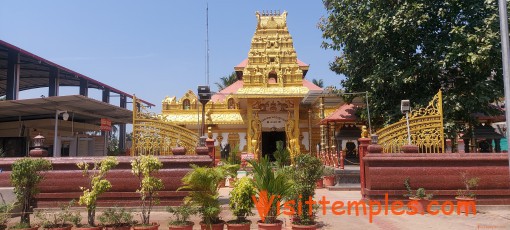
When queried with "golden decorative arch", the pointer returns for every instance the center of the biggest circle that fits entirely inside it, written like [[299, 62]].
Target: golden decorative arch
[[426, 125], [155, 136]]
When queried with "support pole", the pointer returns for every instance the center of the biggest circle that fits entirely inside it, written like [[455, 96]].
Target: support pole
[[122, 127], [503, 24], [408, 129], [54, 82], [84, 87], [55, 137], [13, 72]]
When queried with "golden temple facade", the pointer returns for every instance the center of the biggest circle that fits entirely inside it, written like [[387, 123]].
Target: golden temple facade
[[270, 101]]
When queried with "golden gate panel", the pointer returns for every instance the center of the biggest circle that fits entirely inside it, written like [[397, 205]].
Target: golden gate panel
[[426, 125], [152, 135]]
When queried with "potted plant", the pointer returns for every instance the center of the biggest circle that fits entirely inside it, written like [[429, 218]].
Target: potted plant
[[58, 220], [329, 176], [98, 184], [203, 183], [420, 198], [233, 164], [305, 172], [181, 214], [271, 185], [25, 177], [116, 219], [281, 155], [231, 173], [241, 204], [5, 214], [144, 167], [467, 195]]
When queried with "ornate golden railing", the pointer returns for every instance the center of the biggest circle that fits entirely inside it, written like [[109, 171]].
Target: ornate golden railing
[[152, 135], [426, 125]]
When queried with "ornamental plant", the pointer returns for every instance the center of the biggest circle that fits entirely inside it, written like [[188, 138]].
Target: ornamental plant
[[144, 167], [270, 183], [469, 183], [25, 176], [241, 201], [116, 218], [58, 219], [203, 183], [181, 214], [305, 172], [420, 193], [98, 184], [5, 213], [282, 155]]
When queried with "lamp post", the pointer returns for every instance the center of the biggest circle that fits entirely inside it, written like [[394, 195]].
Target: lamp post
[[405, 107], [204, 95], [65, 116]]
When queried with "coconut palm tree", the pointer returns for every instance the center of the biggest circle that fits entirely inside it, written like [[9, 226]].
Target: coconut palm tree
[[226, 81], [318, 82]]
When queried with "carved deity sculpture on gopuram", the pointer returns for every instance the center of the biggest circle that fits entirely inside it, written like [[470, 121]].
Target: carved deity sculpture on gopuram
[[270, 101]]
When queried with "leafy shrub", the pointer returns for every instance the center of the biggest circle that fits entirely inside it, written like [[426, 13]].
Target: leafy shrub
[[25, 176]]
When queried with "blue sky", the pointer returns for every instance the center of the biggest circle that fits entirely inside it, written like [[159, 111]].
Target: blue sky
[[155, 48]]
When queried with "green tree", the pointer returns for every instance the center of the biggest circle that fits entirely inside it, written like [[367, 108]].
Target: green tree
[[318, 82], [409, 49], [226, 81], [25, 177]]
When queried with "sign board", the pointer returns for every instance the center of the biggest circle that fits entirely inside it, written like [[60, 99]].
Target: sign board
[[106, 124], [247, 156]]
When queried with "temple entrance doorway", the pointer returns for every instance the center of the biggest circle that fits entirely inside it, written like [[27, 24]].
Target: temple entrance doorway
[[269, 140]]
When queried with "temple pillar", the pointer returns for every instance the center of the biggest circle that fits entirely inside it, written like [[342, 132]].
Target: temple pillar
[[13, 74], [461, 148], [209, 143], [297, 131], [362, 149], [466, 145], [448, 146], [310, 133]]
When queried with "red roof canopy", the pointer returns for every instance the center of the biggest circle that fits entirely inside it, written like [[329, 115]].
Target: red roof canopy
[[345, 113]]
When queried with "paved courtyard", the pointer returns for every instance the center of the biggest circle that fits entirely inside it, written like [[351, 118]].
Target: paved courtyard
[[488, 217]]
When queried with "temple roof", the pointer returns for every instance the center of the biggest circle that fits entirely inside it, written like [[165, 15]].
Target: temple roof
[[245, 62], [483, 131], [345, 113], [232, 89]]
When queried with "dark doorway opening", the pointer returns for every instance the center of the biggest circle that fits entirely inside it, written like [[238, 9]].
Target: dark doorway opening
[[269, 140]]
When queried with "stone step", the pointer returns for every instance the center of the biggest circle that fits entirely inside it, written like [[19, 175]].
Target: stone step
[[345, 187]]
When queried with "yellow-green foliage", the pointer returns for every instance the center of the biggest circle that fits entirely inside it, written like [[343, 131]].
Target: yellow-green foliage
[[241, 201], [98, 184], [143, 167]]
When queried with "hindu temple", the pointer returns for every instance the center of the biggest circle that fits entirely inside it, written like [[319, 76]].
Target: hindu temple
[[271, 101]]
